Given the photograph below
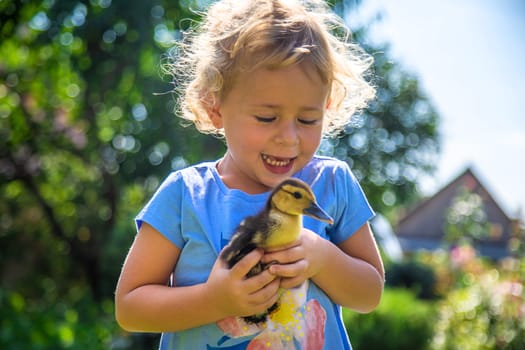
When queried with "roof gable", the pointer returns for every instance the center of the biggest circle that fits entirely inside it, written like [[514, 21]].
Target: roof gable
[[427, 219]]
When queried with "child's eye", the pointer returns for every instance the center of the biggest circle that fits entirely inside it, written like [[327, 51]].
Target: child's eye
[[265, 119], [309, 121]]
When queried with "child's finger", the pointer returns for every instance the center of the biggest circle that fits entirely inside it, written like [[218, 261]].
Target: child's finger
[[285, 256], [266, 296], [244, 265], [289, 270]]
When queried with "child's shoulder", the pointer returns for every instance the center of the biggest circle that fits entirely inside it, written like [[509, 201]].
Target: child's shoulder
[[324, 169], [327, 161], [323, 164], [193, 176], [203, 169]]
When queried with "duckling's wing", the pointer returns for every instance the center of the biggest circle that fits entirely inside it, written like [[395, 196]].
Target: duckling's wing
[[250, 234], [241, 243]]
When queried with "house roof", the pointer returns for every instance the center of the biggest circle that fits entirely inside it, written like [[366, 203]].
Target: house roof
[[468, 179], [425, 222]]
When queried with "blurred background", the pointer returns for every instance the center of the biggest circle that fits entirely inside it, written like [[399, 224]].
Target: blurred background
[[468, 58], [87, 133]]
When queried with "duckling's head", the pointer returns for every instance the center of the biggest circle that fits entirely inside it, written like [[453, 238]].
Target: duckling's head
[[294, 197]]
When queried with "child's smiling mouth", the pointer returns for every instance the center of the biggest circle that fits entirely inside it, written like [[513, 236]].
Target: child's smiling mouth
[[276, 164]]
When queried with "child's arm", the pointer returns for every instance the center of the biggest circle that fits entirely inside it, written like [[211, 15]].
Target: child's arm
[[145, 303], [351, 274]]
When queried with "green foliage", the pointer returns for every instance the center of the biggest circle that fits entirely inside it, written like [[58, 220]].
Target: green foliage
[[517, 241], [400, 322], [78, 323], [482, 306], [488, 314], [84, 141], [413, 275], [465, 219], [483, 302], [80, 127], [394, 143]]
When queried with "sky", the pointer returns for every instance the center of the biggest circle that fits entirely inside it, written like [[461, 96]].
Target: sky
[[469, 56]]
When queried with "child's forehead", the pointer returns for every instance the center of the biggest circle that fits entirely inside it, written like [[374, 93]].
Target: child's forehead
[[249, 62], [261, 72], [293, 86]]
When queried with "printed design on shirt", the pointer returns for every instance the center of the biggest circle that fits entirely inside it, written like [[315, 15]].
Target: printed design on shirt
[[295, 324]]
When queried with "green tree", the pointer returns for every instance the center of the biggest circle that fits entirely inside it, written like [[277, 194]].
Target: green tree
[[394, 143], [465, 219], [84, 140], [80, 123]]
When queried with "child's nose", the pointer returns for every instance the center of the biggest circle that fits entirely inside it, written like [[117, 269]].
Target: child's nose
[[287, 134]]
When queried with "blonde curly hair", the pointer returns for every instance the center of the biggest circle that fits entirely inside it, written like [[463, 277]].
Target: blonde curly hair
[[238, 36]]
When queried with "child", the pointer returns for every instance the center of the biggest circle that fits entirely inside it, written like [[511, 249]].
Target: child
[[269, 77]]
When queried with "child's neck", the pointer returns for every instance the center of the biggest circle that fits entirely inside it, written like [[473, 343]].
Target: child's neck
[[234, 178]]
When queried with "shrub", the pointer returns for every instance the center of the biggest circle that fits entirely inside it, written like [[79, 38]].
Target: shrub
[[488, 314], [413, 275], [40, 324], [400, 322]]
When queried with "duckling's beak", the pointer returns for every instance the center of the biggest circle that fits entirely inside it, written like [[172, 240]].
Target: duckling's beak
[[316, 212]]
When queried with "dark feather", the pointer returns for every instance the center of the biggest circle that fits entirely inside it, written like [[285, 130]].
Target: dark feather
[[248, 236]]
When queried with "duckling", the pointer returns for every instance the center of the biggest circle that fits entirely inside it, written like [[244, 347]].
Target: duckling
[[278, 224]]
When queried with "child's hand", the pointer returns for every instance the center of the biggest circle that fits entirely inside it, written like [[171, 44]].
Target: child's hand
[[298, 261], [237, 295]]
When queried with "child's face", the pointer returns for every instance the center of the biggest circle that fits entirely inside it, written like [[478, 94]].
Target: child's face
[[273, 121]]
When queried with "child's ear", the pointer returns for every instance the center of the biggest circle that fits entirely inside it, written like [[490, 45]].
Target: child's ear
[[214, 113], [215, 116], [328, 103]]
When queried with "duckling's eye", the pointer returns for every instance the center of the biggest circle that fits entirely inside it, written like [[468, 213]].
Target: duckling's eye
[[297, 195]]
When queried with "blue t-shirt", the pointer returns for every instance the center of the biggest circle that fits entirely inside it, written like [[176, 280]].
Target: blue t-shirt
[[195, 210]]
